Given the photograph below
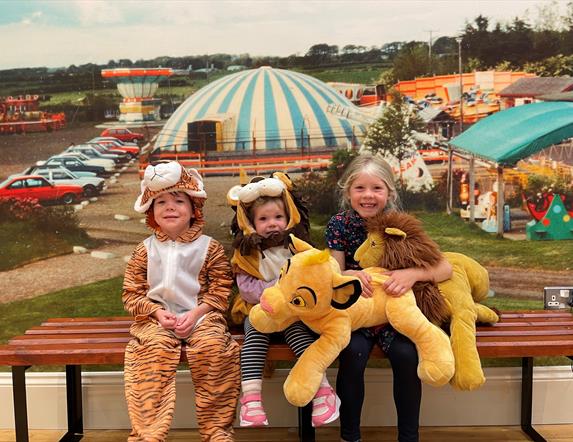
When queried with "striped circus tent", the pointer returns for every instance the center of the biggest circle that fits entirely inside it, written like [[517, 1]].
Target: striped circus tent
[[262, 109]]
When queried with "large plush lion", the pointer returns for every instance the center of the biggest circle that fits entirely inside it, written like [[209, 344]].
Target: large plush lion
[[397, 240], [312, 289]]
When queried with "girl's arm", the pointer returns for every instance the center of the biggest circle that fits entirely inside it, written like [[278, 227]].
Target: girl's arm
[[251, 288], [365, 278], [400, 281]]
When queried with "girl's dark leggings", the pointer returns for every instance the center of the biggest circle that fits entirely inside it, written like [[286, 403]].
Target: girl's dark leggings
[[407, 387]]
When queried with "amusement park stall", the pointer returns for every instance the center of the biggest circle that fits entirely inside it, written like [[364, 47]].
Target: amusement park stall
[[514, 134]]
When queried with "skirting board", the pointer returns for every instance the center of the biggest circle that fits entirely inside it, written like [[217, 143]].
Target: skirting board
[[496, 403]]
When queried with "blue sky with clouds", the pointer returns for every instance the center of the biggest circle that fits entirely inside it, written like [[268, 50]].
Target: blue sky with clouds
[[61, 32]]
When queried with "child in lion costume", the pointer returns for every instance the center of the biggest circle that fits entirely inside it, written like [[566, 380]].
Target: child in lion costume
[[396, 240]]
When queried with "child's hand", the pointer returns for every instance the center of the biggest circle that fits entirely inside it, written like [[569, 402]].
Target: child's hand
[[365, 281], [165, 318], [400, 281], [185, 324]]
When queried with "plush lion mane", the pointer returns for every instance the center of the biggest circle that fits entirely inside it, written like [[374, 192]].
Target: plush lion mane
[[417, 249]]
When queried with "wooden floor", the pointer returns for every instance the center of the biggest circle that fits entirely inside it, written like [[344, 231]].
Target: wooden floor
[[553, 433]]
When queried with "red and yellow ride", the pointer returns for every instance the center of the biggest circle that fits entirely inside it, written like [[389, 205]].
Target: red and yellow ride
[[21, 114]]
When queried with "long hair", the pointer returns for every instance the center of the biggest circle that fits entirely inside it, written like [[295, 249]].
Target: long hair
[[367, 163]]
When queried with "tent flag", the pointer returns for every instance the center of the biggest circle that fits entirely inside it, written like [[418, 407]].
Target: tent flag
[[519, 132]]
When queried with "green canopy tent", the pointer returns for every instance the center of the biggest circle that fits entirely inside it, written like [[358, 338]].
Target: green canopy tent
[[508, 136]]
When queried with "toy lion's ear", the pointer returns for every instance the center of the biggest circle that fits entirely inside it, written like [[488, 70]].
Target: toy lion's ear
[[298, 245], [345, 292], [233, 195], [395, 232]]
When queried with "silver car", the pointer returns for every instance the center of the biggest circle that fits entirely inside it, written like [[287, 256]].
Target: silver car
[[92, 186]]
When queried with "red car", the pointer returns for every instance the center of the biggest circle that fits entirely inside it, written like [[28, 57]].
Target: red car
[[34, 186], [123, 134]]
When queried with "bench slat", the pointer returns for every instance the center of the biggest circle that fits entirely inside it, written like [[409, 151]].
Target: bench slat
[[102, 340]]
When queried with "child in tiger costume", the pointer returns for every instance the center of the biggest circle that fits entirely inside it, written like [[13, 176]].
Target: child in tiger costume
[[177, 284]]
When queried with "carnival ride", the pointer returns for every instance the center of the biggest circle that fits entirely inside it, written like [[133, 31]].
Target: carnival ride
[[137, 87], [21, 114]]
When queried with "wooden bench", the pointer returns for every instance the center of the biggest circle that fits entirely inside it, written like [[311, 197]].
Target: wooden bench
[[74, 342]]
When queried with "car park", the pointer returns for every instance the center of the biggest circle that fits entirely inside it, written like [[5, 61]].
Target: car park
[[90, 186], [38, 187], [123, 134], [74, 164]]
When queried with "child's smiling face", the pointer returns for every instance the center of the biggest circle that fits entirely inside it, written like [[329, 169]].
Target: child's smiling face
[[270, 218], [173, 213], [368, 195]]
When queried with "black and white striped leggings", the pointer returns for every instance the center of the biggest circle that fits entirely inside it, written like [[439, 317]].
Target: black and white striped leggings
[[254, 351]]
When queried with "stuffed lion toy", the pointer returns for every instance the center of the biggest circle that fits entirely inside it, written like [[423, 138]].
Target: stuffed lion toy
[[397, 240], [312, 289]]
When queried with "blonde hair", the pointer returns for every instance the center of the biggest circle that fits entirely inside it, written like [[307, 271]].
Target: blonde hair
[[367, 163]]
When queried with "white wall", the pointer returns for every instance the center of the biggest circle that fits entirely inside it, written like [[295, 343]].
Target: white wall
[[496, 403]]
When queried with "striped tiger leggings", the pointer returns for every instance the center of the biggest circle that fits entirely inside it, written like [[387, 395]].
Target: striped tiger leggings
[[151, 360]]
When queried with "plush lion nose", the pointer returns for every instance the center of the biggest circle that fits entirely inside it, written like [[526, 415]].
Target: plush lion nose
[[267, 308]]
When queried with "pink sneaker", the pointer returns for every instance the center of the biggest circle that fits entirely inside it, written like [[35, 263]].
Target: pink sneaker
[[325, 406], [252, 413]]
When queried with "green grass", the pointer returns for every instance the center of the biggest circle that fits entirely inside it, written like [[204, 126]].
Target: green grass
[[456, 235], [23, 243], [97, 299], [364, 74]]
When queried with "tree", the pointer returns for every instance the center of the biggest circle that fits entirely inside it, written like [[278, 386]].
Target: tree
[[412, 61], [391, 133]]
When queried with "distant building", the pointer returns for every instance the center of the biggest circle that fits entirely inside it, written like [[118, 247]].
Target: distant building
[[531, 90], [236, 67]]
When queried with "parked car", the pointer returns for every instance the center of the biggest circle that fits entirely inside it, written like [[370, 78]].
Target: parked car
[[104, 150], [91, 186], [91, 152], [123, 134], [38, 187], [131, 149], [75, 165], [105, 162], [32, 170]]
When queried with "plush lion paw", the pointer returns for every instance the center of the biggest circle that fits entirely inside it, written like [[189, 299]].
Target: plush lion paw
[[299, 393], [436, 373]]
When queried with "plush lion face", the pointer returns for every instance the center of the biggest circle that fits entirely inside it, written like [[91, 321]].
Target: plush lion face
[[309, 286], [396, 240]]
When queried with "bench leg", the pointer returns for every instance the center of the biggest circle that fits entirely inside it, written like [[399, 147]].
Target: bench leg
[[527, 400], [20, 405], [305, 428], [74, 404]]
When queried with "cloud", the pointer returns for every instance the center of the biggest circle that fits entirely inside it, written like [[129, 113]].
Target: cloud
[[84, 31]]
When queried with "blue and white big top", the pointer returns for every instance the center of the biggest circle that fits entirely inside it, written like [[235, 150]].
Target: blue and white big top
[[263, 108]]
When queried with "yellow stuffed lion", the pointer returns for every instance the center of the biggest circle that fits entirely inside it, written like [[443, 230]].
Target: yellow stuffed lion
[[396, 240], [312, 289]]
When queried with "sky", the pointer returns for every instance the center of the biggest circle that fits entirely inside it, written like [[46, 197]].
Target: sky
[[55, 33]]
